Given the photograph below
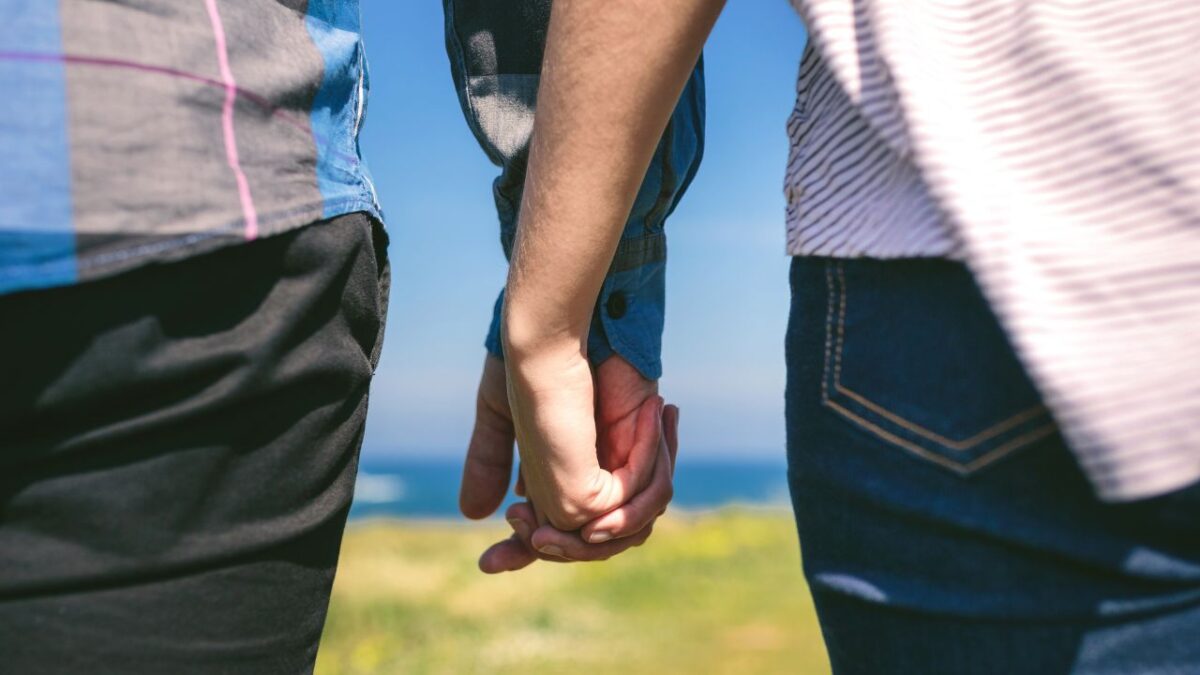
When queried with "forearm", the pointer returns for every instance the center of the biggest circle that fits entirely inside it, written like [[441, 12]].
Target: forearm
[[612, 74]]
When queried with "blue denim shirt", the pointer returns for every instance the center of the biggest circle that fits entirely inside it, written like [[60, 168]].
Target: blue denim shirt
[[495, 53]]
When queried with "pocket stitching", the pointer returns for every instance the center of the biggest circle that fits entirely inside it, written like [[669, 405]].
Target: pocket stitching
[[1007, 424]]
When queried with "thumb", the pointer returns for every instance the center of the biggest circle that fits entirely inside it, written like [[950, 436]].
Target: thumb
[[488, 465]]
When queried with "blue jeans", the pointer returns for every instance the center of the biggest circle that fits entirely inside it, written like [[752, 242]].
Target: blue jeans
[[945, 526]]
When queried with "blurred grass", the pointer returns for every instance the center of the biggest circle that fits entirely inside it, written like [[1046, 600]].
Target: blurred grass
[[718, 593]]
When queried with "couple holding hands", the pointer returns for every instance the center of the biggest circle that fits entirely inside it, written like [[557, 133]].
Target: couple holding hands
[[993, 438], [993, 210]]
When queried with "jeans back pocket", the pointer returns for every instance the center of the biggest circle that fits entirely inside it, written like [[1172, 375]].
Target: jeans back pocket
[[914, 357]]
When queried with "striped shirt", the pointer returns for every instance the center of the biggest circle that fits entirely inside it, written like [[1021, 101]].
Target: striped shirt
[[136, 131], [1055, 147]]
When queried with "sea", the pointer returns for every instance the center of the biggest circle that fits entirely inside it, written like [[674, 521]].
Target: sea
[[428, 488]]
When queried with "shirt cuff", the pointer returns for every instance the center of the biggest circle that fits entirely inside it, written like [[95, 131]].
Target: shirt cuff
[[629, 313]]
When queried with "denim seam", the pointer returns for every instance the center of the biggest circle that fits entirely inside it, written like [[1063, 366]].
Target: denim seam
[[958, 467], [657, 213], [835, 353]]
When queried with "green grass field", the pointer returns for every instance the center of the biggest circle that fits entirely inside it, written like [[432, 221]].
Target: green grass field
[[710, 593]]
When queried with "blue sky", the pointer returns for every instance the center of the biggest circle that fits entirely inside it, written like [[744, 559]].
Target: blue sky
[[727, 297]]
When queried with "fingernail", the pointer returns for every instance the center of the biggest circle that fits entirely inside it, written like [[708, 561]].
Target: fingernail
[[599, 537], [519, 526], [551, 549]]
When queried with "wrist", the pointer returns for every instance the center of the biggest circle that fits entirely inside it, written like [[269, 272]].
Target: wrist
[[530, 338]]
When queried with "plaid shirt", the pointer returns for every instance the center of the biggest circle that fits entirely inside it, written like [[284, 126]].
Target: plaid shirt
[[138, 131]]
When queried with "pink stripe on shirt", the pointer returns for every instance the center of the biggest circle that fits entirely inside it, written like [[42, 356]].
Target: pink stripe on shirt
[[231, 152]]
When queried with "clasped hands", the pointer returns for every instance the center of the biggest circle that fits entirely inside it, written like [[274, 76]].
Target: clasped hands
[[597, 458]]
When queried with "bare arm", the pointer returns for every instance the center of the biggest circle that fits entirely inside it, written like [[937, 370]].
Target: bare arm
[[612, 74]]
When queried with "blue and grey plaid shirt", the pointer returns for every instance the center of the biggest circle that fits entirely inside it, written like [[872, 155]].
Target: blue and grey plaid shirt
[[139, 131], [143, 131]]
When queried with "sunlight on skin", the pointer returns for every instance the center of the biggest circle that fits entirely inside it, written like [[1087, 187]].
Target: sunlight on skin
[[585, 168], [626, 408]]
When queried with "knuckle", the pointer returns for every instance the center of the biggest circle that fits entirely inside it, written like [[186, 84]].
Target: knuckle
[[574, 506], [577, 507], [567, 515]]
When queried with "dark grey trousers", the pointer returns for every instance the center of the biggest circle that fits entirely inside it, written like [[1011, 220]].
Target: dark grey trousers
[[178, 446]]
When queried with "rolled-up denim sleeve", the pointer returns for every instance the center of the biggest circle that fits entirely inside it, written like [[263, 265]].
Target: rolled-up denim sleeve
[[495, 52]]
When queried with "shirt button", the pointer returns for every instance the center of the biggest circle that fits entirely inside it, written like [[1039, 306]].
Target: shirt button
[[616, 304]]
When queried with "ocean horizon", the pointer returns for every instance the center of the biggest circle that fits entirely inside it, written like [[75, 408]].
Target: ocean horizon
[[427, 488]]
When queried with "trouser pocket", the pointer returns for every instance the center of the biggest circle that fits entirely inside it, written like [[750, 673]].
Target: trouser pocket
[[914, 357]]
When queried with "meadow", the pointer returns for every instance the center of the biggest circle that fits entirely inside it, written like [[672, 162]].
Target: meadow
[[717, 592]]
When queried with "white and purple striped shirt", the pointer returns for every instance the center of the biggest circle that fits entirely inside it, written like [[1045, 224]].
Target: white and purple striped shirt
[[1053, 146]]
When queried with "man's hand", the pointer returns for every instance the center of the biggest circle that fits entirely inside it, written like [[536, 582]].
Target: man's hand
[[621, 394], [489, 462]]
